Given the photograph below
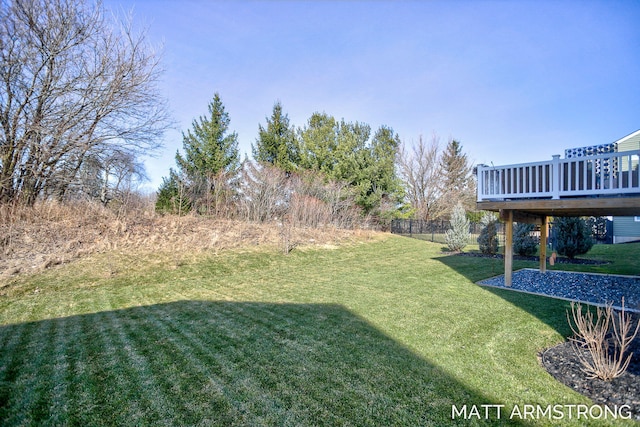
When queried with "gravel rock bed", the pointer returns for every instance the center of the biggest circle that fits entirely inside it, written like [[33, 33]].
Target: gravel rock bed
[[584, 287]]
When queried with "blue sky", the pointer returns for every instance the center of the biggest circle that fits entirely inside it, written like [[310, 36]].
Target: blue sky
[[513, 81]]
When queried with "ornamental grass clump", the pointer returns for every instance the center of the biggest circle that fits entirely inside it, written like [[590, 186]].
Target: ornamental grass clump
[[606, 339]]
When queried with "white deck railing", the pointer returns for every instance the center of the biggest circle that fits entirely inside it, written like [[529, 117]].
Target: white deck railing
[[603, 174]]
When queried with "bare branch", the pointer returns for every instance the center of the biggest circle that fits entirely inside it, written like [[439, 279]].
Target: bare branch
[[605, 339], [420, 170], [73, 86]]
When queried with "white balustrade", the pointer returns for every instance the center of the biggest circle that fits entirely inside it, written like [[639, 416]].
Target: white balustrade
[[603, 174]]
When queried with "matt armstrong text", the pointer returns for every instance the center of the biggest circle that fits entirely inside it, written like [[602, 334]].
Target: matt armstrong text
[[537, 412]]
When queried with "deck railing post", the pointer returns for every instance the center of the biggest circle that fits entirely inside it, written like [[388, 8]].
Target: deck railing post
[[480, 180], [555, 175]]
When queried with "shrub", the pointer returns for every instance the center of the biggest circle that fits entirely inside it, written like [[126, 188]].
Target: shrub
[[606, 340], [458, 235], [572, 236], [488, 238], [264, 192], [524, 243]]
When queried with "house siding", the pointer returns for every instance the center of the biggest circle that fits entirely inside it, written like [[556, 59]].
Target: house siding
[[629, 142], [626, 229]]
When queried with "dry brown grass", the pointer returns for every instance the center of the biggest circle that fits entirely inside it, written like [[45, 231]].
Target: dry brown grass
[[50, 233]]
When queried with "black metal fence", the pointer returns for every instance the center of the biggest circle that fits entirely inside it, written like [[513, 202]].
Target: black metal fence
[[434, 231]]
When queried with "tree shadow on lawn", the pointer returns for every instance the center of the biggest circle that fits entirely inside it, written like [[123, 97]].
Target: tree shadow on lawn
[[222, 363], [551, 311]]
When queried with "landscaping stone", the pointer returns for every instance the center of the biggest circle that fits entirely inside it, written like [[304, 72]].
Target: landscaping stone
[[584, 287]]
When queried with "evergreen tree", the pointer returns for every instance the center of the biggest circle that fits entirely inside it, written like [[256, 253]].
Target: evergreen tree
[[172, 196], [318, 143], [458, 235], [524, 243], [276, 144], [457, 183], [488, 238], [381, 172], [572, 235], [209, 149], [455, 166], [206, 170], [352, 161], [344, 151]]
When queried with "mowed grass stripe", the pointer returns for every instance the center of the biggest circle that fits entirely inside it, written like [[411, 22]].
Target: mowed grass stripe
[[151, 402], [188, 380], [214, 343], [114, 374], [65, 339], [81, 347], [277, 386], [191, 394], [13, 338], [113, 385], [31, 386]]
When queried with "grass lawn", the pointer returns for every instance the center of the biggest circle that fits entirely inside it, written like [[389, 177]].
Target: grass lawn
[[388, 332]]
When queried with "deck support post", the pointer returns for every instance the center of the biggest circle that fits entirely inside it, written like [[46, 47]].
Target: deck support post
[[508, 247], [544, 232]]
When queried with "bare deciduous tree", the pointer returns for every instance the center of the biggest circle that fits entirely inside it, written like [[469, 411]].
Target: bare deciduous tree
[[420, 169], [264, 192], [73, 86]]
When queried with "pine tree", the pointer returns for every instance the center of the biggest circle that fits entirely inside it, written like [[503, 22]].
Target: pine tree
[[524, 243], [458, 235], [381, 172], [172, 196], [209, 149], [318, 143], [344, 151], [572, 235], [455, 166], [276, 144], [457, 184]]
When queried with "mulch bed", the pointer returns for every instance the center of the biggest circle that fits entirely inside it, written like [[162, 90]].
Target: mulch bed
[[563, 364]]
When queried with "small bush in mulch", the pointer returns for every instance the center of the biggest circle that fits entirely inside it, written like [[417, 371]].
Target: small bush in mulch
[[563, 364]]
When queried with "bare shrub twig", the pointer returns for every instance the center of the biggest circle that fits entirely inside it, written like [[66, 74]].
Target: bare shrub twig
[[606, 340]]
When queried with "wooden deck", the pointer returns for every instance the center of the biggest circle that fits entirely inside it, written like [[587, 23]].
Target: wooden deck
[[628, 205], [603, 185]]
